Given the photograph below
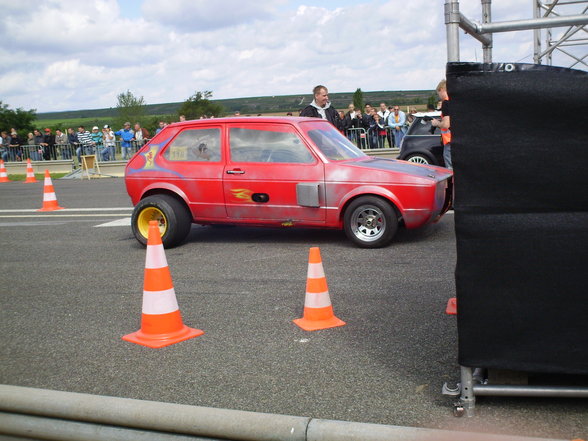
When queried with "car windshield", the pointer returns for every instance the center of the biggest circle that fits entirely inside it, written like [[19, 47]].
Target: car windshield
[[331, 142]]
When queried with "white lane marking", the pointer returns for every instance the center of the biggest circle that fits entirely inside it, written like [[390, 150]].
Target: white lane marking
[[71, 209], [124, 222], [47, 215]]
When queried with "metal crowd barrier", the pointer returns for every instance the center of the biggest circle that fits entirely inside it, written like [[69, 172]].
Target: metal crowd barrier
[[358, 136], [371, 138], [70, 151]]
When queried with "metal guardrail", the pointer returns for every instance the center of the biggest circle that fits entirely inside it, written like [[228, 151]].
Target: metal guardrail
[[70, 151]]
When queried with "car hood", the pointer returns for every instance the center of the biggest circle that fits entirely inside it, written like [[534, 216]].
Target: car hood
[[393, 165]]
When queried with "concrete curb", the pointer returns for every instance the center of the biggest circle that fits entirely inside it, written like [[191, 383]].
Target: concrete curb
[[31, 411]]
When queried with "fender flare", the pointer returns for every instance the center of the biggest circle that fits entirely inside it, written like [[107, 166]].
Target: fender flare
[[371, 190], [167, 188]]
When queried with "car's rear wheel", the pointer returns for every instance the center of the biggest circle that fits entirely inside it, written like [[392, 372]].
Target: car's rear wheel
[[173, 218], [418, 159], [370, 222]]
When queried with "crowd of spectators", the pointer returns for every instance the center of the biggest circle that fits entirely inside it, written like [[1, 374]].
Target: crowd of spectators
[[47, 145], [374, 128]]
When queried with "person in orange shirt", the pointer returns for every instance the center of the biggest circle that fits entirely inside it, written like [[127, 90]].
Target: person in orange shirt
[[444, 123], [397, 121]]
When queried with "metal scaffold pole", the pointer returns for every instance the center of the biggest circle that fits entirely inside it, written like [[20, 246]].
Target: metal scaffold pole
[[546, 16], [452, 28]]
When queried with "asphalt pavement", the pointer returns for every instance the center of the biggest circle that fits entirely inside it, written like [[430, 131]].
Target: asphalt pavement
[[70, 289]]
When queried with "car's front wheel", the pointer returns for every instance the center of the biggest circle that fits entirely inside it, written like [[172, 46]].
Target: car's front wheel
[[173, 219], [370, 222], [418, 159]]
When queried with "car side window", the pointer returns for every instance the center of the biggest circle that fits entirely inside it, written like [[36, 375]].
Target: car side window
[[267, 145], [195, 145]]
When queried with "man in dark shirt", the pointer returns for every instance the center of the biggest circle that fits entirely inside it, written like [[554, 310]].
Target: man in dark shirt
[[321, 107], [48, 145]]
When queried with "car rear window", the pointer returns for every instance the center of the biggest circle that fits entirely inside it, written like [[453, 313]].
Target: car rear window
[[422, 126], [196, 145], [274, 145]]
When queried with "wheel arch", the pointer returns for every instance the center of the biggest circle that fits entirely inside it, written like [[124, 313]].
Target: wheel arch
[[168, 190], [383, 194]]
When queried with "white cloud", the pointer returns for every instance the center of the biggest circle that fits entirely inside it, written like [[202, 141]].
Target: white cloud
[[62, 56], [203, 15]]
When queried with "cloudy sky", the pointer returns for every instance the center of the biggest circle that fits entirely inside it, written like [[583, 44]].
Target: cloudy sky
[[80, 54]]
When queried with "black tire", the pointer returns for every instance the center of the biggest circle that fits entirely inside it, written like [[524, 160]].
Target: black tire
[[419, 158], [370, 222], [174, 219]]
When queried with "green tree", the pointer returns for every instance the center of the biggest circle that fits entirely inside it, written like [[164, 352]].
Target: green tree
[[432, 101], [21, 120], [358, 99], [129, 108], [199, 105]]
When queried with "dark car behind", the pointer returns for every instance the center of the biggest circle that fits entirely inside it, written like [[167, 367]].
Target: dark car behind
[[422, 142]]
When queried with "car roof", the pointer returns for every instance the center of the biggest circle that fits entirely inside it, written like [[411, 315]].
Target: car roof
[[249, 119], [431, 114]]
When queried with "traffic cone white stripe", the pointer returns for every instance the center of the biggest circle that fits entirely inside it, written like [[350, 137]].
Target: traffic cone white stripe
[[318, 311], [160, 302], [49, 197], [48, 181], [317, 300], [315, 271], [3, 175], [155, 257], [161, 320]]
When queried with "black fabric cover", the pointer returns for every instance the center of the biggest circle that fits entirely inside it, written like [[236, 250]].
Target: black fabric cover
[[520, 157]]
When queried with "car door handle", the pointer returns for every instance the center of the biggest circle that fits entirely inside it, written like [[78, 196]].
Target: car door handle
[[235, 172]]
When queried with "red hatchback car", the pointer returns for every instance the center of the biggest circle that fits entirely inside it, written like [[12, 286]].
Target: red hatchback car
[[277, 172]]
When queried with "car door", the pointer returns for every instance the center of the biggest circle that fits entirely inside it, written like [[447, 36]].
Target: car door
[[272, 175], [194, 158]]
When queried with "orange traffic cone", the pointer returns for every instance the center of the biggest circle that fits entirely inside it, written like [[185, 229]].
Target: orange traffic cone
[[49, 198], [318, 311], [451, 306], [161, 322], [30, 173], [3, 174]]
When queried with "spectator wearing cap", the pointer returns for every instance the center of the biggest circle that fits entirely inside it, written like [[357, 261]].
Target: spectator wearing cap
[[15, 143], [48, 145], [96, 136], [107, 152], [127, 136]]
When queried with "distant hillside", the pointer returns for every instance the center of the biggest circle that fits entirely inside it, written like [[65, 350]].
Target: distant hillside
[[264, 104]]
